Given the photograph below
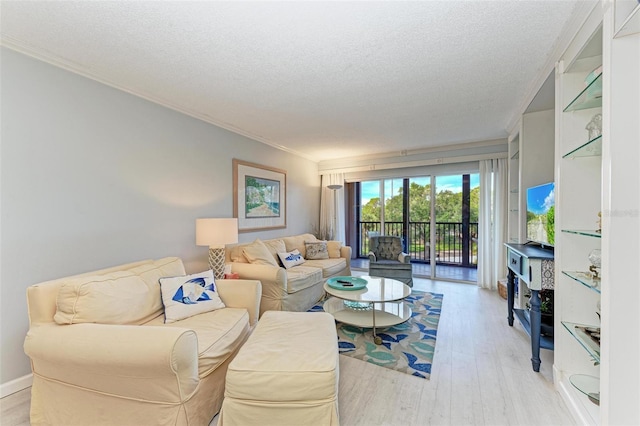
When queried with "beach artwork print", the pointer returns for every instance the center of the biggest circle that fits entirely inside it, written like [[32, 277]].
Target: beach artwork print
[[262, 197], [259, 196]]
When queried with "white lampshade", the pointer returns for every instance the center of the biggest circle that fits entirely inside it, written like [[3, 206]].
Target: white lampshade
[[334, 187], [216, 232]]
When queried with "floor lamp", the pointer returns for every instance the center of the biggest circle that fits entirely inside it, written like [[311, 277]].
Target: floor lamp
[[215, 233], [334, 227]]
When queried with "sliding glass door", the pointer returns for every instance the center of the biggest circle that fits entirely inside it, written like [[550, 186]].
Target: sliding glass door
[[436, 216], [456, 226]]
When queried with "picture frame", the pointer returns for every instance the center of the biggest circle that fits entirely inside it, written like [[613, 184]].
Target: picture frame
[[259, 196]]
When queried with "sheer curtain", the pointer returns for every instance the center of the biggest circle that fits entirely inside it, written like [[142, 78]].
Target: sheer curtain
[[492, 229], [332, 208]]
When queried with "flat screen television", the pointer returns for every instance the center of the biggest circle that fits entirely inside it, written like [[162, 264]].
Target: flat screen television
[[541, 214]]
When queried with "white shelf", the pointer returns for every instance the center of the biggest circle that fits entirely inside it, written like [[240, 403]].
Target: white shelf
[[631, 24], [578, 199]]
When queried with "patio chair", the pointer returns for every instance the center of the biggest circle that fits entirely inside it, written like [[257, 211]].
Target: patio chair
[[387, 260]]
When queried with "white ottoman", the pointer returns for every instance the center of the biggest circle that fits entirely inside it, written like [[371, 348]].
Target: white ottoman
[[285, 374]]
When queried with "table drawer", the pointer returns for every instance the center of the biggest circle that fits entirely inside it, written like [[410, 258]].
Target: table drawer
[[515, 262]]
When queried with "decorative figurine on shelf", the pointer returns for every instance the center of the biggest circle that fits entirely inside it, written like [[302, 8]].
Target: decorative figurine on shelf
[[595, 126], [599, 222], [595, 258]]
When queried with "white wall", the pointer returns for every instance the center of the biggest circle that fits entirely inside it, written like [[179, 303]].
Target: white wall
[[93, 177]]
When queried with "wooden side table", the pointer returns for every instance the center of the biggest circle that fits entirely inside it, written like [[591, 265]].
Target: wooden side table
[[534, 267]]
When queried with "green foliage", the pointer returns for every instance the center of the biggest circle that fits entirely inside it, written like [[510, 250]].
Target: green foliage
[[448, 206], [546, 301], [551, 231], [370, 212]]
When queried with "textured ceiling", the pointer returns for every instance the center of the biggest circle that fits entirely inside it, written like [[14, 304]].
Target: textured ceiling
[[325, 79]]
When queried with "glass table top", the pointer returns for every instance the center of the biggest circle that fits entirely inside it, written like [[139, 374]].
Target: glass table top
[[377, 290]]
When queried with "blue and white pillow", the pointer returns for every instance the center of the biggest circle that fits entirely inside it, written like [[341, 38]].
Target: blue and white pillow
[[291, 258], [189, 295]]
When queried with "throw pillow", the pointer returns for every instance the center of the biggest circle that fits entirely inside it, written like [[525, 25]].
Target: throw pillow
[[291, 259], [316, 250], [119, 297], [275, 247], [234, 251], [334, 248], [259, 254], [189, 295]]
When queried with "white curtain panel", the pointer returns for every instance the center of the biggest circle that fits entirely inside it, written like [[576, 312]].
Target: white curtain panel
[[332, 208], [492, 226]]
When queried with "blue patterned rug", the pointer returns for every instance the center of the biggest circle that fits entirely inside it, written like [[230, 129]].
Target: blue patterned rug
[[406, 347]]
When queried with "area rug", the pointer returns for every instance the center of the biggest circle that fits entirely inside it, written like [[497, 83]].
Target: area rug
[[406, 347]]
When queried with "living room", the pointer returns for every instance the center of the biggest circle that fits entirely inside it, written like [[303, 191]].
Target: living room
[[95, 176]]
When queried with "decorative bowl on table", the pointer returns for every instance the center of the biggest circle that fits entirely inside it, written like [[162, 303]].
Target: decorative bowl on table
[[347, 283]]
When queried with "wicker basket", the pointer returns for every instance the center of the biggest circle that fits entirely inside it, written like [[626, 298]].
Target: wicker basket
[[502, 288]]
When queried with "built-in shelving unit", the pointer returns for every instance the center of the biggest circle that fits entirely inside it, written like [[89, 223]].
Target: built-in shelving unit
[[584, 232], [590, 97], [627, 18], [578, 205], [619, 366], [593, 148], [578, 332], [513, 227], [584, 278]]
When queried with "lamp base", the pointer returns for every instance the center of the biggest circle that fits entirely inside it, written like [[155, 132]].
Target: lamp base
[[216, 262]]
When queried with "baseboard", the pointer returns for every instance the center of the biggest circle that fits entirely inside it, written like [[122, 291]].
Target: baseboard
[[16, 385]]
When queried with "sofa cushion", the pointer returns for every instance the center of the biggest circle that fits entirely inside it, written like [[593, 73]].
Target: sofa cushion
[[151, 274], [329, 267], [333, 247], [189, 295], [219, 333], [257, 253], [297, 243], [233, 253], [301, 277], [129, 296], [291, 259], [115, 298], [275, 247]]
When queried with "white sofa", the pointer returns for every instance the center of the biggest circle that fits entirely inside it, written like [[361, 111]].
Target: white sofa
[[107, 367], [294, 289]]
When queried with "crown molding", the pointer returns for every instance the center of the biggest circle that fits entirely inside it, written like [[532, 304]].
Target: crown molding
[[416, 163], [52, 59], [412, 152], [497, 148]]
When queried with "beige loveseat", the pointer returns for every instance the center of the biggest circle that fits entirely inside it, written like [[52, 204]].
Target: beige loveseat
[[297, 288], [118, 363]]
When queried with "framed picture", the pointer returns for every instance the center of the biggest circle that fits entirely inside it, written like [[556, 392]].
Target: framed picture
[[259, 197]]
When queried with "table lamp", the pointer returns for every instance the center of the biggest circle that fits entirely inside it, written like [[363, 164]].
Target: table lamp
[[215, 233]]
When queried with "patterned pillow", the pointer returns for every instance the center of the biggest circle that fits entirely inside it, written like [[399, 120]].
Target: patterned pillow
[[291, 259], [189, 295], [316, 250]]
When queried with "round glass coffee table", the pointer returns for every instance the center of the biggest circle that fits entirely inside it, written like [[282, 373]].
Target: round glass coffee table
[[377, 304]]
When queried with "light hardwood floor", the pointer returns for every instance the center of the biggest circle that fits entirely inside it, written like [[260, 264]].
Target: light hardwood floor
[[481, 375]]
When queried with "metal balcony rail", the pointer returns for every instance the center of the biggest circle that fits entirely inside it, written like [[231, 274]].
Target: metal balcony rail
[[453, 246]]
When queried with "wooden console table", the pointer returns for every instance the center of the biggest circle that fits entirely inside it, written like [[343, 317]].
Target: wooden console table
[[534, 267]]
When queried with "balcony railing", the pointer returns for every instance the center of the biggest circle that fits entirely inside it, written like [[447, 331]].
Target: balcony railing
[[453, 246]]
